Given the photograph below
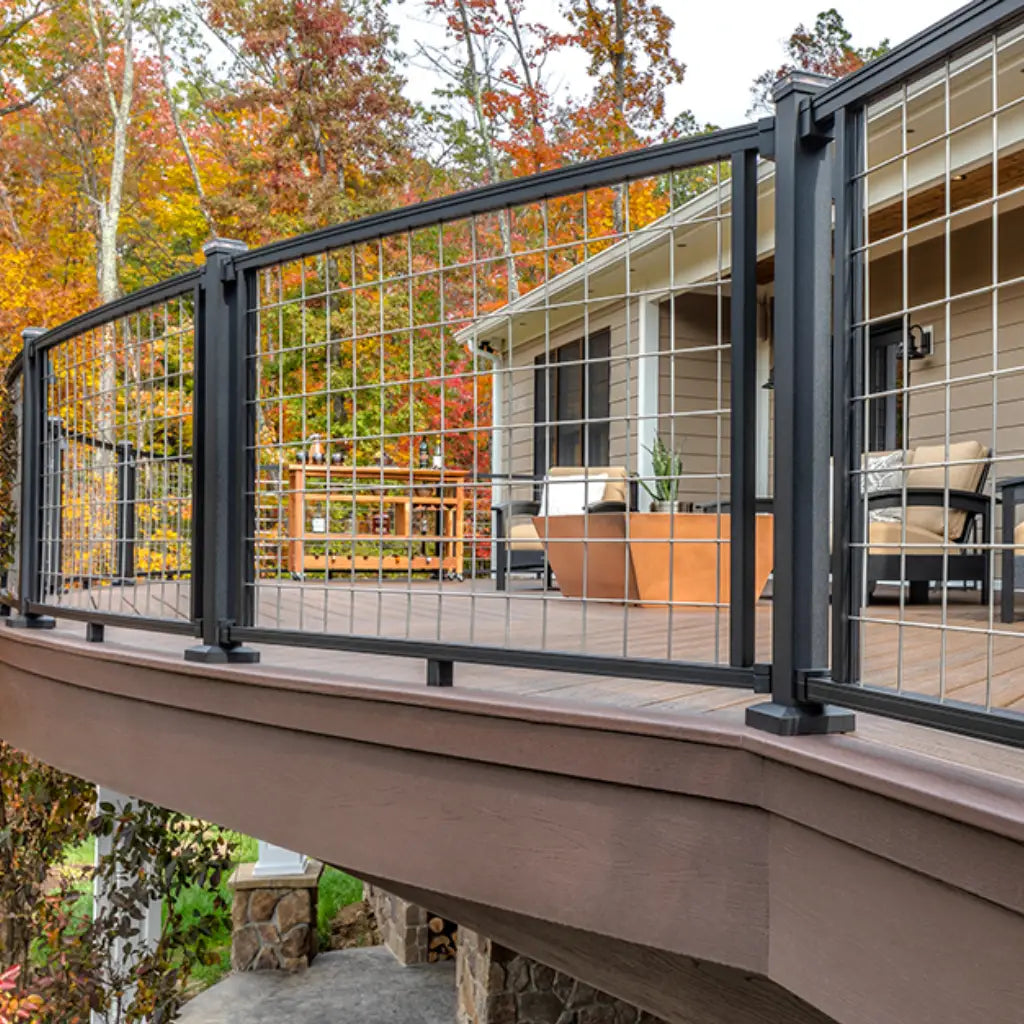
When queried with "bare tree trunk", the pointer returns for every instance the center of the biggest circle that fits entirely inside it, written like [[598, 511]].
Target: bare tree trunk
[[17, 239], [487, 139], [525, 67], [186, 147], [109, 204], [619, 85]]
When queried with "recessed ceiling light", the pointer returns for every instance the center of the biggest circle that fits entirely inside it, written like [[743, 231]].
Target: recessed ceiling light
[[959, 177]]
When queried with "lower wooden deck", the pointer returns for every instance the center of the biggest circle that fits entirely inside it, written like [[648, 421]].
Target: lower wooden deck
[[955, 649]]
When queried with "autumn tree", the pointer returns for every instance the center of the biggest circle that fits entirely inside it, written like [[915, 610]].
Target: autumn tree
[[496, 105], [629, 49], [826, 49], [311, 114], [35, 55]]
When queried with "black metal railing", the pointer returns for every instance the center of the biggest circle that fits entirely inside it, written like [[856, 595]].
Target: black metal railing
[[332, 441]]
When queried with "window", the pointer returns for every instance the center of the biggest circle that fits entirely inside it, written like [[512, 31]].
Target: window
[[571, 404], [885, 378]]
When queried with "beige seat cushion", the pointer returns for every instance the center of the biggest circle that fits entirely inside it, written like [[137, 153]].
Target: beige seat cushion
[[1018, 539], [966, 464], [616, 487], [886, 538], [523, 537]]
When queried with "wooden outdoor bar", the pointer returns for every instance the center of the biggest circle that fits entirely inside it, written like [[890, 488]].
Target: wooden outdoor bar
[[338, 513]]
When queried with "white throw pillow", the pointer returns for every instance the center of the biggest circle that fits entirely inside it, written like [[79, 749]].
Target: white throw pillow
[[884, 472], [570, 495]]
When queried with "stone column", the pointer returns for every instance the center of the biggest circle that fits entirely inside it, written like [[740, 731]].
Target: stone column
[[495, 985], [274, 919], [402, 925]]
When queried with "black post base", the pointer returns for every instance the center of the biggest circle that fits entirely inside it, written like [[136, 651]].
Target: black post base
[[31, 622], [95, 632], [217, 654], [800, 720], [440, 673]]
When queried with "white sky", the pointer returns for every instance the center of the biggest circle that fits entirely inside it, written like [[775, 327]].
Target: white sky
[[725, 44]]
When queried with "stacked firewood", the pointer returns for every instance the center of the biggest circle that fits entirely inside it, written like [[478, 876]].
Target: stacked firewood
[[443, 938]]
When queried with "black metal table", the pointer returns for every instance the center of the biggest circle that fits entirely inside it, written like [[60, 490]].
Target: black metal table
[[1012, 494]]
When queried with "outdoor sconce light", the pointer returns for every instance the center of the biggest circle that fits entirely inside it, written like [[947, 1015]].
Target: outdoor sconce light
[[918, 343], [424, 451]]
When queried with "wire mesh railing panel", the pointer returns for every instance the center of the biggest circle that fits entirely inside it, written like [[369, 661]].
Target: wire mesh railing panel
[[938, 394], [10, 487], [116, 510], [508, 430]]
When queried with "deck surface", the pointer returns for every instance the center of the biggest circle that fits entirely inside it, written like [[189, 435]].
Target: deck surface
[[957, 650]]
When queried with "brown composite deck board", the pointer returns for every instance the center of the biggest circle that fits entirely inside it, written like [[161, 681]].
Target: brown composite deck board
[[473, 613]]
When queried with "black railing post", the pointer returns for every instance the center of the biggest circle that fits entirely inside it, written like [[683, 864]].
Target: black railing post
[[847, 380], [220, 411], [743, 444], [803, 330], [126, 526], [33, 412]]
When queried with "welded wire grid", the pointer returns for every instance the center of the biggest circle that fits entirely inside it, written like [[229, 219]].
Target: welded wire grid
[[941, 366], [408, 387], [116, 515], [12, 513]]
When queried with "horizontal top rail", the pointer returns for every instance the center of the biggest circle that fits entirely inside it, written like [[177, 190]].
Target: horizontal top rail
[[172, 288], [931, 46], [112, 446], [502, 195]]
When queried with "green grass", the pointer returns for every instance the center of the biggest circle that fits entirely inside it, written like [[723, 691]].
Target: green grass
[[200, 901], [83, 853], [336, 890]]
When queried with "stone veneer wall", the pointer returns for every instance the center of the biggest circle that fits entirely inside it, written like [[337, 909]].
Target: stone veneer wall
[[402, 925], [497, 986], [273, 920]]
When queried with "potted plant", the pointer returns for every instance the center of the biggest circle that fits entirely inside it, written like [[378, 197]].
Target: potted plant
[[666, 465]]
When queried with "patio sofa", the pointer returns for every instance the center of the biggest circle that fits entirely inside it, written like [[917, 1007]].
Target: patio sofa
[[566, 490], [908, 529]]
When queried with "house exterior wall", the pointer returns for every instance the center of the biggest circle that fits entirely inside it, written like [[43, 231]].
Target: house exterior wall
[[622, 319], [693, 389], [964, 337], [694, 366], [693, 392]]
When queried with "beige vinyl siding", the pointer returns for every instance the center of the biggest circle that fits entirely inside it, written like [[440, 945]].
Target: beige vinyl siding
[[692, 406], [622, 384], [693, 392], [966, 339]]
